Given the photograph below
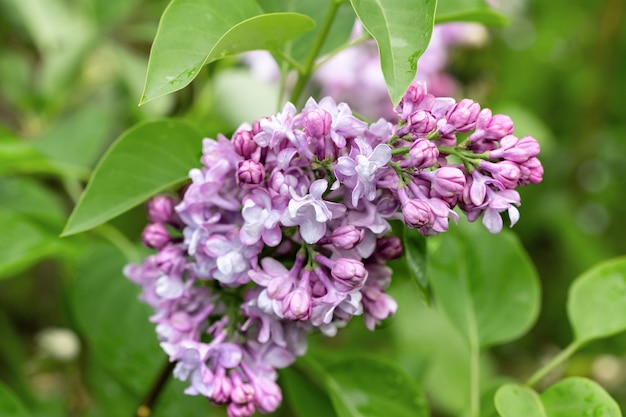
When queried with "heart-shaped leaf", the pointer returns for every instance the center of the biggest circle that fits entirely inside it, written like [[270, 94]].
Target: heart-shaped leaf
[[579, 397], [485, 284], [145, 160], [115, 323], [597, 301], [402, 30], [364, 387], [513, 400], [193, 33]]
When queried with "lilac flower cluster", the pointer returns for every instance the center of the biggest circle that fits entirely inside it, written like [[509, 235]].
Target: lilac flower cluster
[[285, 230]]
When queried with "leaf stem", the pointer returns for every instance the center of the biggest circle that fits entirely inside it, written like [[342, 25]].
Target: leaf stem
[[556, 361], [307, 69], [147, 404], [120, 241], [474, 377]]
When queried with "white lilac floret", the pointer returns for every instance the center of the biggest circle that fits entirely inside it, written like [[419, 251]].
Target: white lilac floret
[[285, 230]]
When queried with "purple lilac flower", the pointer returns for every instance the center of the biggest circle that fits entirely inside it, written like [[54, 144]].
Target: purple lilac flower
[[228, 309]]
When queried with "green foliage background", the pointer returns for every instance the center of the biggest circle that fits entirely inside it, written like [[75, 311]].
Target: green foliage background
[[71, 75]]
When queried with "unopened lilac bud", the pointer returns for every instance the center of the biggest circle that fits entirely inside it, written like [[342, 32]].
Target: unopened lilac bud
[[411, 99], [297, 304], [448, 182], [241, 392], [170, 259], [532, 172], [155, 236], [160, 209], [244, 144], [461, 118], [267, 395], [317, 123], [530, 145], [222, 387], [347, 237], [416, 213], [256, 126], [423, 154], [240, 410], [506, 173], [492, 127], [422, 122], [348, 273], [389, 248], [250, 172]]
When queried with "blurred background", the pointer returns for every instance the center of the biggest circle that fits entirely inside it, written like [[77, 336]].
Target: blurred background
[[71, 74]]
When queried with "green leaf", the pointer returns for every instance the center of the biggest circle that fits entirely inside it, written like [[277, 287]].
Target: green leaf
[[579, 397], [22, 243], [363, 387], [597, 301], [415, 255], [402, 31], [10, 405], [32, 199], [115, 323], [193, 33], [79, 138], [513, 400], [145, 160], [338, 35], [20, 157], [304, 397], [468, 11], [485, 284]]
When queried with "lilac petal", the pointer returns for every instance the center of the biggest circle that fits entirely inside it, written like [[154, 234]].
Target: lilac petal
[[230, 355], [312, 231], [279, 357], [272, 236], [345, 165], [513, 215], [381, 155], [318, 188], [492, 220]]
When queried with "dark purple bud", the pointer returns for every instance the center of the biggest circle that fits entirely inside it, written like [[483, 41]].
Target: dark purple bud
[[317, 123], [348, 273], [155, 236], [250, 172], [416, 213], [423, 154], [347, 237], [389, 248], [244, 144], [160, 209]]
